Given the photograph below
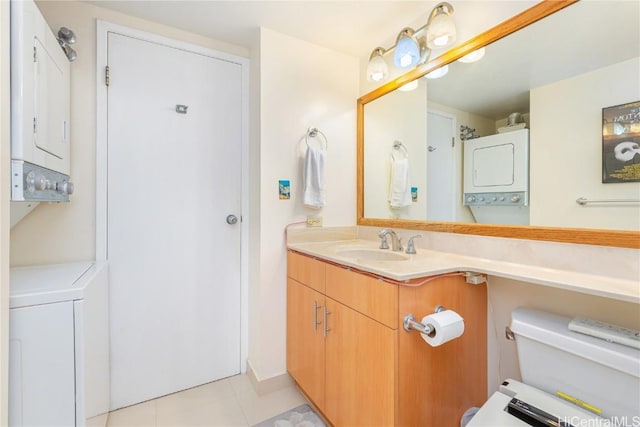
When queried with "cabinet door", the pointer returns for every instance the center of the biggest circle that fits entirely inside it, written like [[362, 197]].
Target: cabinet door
[[305, 339], [360, 369], [41, 365]]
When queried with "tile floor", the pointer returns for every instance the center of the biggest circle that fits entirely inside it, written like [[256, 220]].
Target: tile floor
[[228, 402]]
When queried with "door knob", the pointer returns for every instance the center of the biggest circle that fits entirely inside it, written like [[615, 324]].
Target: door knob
[[232, 219], [431, 148]]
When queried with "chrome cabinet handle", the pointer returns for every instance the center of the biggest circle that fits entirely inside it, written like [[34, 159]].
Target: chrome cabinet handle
[[325, 313], [315, 315]]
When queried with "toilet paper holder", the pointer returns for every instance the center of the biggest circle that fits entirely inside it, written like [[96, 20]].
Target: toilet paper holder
[[411, 324]]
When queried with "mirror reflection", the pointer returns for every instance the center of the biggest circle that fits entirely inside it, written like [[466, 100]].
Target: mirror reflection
[[515, 137]]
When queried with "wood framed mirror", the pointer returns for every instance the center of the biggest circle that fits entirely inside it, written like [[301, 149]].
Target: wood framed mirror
[[628, 237]]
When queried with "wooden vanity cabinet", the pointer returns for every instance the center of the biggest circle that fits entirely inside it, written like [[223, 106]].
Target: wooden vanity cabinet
[[305, 326], [438, 384], [360, 350], [349, 374], [305, 339], [366, 370]]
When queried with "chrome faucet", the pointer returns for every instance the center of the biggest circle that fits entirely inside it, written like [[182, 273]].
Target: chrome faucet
[[396, 242]]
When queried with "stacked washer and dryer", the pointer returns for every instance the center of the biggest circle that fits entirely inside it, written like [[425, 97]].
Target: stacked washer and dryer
[[496, 177], [59, 340]]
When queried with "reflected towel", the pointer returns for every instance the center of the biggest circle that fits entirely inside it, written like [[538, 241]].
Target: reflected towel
[[399, 190], [313, 193]]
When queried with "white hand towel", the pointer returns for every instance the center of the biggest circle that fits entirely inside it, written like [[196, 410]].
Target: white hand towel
[[399, 190], [313, 194]]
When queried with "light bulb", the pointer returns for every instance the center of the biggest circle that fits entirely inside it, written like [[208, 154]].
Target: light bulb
[[412, 85], [441, 30], [438, 72], [474, 56], [377, 70], [407, 51]]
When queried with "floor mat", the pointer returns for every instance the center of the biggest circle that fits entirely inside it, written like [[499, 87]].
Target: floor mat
[[302, 416]]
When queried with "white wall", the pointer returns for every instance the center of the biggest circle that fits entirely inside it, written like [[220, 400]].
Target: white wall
[[397, 116], [301, 85], [5, 109], [565, 121], [55, 233]]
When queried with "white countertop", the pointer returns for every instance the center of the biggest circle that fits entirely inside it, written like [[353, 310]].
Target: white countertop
[[430, 263]]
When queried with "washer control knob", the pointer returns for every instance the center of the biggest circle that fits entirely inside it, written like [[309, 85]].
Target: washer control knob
[[41, 183], [31, 181], [502, 198], [494, 199], [515, 198], [471, 199], [481, 199], [64, 187]]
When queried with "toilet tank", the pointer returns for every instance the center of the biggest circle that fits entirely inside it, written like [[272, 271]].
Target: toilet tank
[[596, 373]]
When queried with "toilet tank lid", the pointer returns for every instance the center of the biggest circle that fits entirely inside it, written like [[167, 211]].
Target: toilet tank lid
[[553, 330]]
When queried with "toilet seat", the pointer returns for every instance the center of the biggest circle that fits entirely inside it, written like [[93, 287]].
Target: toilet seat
[[494, 412]]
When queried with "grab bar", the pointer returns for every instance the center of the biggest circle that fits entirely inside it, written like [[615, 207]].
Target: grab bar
[[583, 201]]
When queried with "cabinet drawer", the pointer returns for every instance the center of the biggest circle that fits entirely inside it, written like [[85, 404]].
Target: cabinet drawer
[[306, 270], [368, 295]]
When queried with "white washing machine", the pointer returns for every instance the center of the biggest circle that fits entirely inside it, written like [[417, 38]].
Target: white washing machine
[[59, 344]]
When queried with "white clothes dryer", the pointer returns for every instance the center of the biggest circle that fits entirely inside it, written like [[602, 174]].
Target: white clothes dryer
[[58, 344]]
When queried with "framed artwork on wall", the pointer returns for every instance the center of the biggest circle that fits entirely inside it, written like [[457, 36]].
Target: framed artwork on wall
[[621, 143]]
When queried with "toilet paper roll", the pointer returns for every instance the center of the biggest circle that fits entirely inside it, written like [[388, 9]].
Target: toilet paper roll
[[448, 326]]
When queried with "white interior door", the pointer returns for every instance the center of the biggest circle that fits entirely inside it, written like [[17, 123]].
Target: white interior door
[[174, 175], [440, 167]]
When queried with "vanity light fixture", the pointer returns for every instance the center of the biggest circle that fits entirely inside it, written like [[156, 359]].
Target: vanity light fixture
[[474, 56], [377, 70], [413, 47], [407, 52], [438, 72], [441, 31], [412, 85]]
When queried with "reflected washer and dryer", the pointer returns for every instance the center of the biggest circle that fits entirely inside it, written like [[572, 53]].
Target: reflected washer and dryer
[[496, 177]]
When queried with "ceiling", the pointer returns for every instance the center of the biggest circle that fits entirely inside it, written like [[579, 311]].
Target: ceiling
[[350, 27]]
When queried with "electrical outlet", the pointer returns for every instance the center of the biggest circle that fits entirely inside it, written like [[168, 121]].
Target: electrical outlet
[[314, 221]]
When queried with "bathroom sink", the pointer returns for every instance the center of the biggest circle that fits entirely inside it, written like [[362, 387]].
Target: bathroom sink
[[372, 255]]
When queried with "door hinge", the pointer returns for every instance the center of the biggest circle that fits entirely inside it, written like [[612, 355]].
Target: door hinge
[[35, 54], [35, 125], [106, 75], [453, 141]]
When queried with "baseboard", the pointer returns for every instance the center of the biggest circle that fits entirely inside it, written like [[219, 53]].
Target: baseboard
[[268, 385], [98, 421]]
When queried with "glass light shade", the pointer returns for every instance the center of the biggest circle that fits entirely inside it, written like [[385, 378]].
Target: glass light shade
[[441, 31], [474, 56], [377, 70], [438, 72], [412, 85], [407, 52]]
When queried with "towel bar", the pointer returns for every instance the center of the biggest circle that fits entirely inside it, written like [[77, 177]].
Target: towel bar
[[583, 201], [313, 133]]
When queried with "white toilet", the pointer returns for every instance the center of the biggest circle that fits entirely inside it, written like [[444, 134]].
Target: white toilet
[[568, 379]]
